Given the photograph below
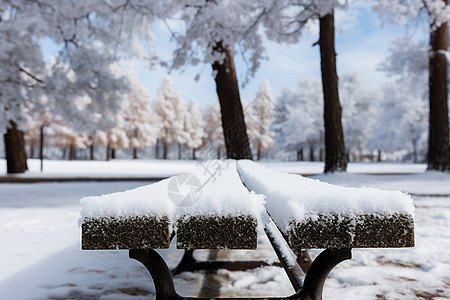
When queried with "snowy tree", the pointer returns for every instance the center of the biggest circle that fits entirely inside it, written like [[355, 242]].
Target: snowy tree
[[66, 137], [286, 23], [358, 102], [214, 31], [90, 35], [438, 15], [401, 119], [301, 125], [142, 124], [259, 119], [194, 127], [214, 138], [35, 120], [171, 109]]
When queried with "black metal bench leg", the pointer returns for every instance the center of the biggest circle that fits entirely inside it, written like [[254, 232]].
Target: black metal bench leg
[[162, 278], [319, 270], [187, 263]]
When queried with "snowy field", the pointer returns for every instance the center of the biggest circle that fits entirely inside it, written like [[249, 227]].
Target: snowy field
[[161, 168], [40, 256]]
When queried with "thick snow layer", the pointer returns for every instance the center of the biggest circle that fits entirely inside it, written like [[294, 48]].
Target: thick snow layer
[[212, 188], [146, 200], [293, 197], [222, 192]]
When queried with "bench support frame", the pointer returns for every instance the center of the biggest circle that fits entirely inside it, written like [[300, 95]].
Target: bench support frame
[[188, 263], [155, 264], [311, 289]]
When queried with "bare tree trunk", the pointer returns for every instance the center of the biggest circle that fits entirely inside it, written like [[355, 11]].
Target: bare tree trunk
[[108, 151], [71, 152], [157, 149], [41, 147], [335, 159], [179, 151], [32, 150], [258, 154], [91, 150], [234, 128], [193, 154], [311, 153], [164, 151], [321, 154], [438, 139], [113, 153], [134, 149], [414, 144], [379, 156], [300, 154], [16, 157]]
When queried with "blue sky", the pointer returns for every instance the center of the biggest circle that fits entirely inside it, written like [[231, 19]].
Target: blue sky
[[362, 43]]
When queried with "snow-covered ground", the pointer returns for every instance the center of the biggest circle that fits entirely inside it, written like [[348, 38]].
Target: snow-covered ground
[[40, 256], [160, 168]]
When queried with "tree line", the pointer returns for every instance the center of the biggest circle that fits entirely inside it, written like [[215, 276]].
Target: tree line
[[142, 122], [384, 120], [94, 35]]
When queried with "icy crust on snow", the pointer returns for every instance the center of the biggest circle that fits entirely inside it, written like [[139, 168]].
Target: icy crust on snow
[[296, 203], [147, 200]]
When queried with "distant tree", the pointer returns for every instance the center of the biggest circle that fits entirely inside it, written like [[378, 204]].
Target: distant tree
[[301, 125], [214, 31], [214, 138], [36, 120], [438, 13], [286, 23], [358, 104], [141, 123], [260, 119], [67, 138], [171, 109], [90, 35], [401, 119], [117, 139], [194, 127]]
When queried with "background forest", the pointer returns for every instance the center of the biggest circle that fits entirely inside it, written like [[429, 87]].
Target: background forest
[[87, 100]]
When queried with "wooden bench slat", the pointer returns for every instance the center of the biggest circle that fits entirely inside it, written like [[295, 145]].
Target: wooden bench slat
[[350, 225], [362, 231], [138, 232], [224, 217], [221, 232]]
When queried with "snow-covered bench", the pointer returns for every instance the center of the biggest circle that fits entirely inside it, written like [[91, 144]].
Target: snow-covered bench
[[314, 214], [206, 210], [223, 208]]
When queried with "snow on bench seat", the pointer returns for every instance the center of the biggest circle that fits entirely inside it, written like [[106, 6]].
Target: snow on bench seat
[[223, 215], [314, 214], [135, 219], [226, 214]]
